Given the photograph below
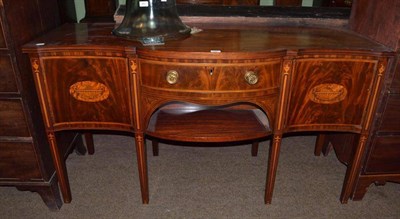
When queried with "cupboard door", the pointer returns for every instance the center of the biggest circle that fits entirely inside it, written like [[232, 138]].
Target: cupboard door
[[327, 93], [93, 91]]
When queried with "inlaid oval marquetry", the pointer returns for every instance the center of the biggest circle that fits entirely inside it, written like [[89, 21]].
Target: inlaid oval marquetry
[[327, 93], [89, 91]]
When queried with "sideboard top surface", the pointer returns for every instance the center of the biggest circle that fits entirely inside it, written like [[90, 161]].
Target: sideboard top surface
[[223, 40]]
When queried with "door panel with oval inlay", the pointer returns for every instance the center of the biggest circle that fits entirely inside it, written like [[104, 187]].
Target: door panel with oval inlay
[[328, 93], [94, 91]]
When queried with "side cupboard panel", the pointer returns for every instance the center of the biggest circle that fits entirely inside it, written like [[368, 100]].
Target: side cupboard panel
[[328, 93], [87, 90]]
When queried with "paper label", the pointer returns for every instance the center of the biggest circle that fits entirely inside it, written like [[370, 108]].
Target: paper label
[[143, 4]]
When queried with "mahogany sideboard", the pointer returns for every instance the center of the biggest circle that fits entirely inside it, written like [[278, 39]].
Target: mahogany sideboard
[[221, 84], [25, 156]]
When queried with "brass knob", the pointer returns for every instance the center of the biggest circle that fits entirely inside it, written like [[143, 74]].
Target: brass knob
[[251, 77], [172, 77]]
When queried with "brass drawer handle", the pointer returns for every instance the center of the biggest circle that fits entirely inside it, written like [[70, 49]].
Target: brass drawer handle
[[251, 77], [172, 77]]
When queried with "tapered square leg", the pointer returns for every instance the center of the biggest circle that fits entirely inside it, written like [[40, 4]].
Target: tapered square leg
[[142, 166], [272, 168]]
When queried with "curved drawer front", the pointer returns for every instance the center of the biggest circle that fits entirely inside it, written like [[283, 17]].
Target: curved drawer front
[[248, 76], [213, 77], [189, 77]]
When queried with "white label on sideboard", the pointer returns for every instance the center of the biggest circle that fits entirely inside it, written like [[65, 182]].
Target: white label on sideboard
[[143, 4], [163, 0]]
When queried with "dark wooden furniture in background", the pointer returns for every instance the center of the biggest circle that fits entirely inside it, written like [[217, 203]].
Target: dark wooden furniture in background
[[289, 3], [25, 156], [379, 21], [332, 3], [99, 10], [316, 3], [220, 2], [67, 11]]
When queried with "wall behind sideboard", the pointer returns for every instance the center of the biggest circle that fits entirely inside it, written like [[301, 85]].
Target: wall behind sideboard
[[80, 6]]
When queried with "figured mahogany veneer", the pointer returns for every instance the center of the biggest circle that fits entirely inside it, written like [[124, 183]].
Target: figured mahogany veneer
[[348, 100], [62, 75], [245, 84]]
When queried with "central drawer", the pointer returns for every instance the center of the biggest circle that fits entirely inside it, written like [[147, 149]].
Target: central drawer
[[203, 77], [215, 102]]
